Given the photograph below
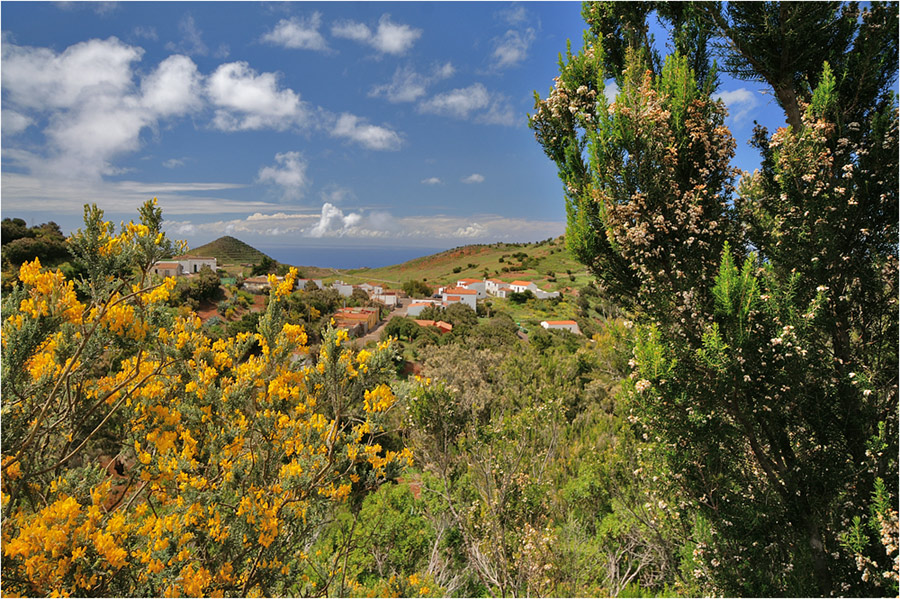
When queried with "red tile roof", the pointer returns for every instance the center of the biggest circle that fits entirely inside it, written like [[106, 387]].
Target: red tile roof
[[522, 283], [560, 322], [460, 291]]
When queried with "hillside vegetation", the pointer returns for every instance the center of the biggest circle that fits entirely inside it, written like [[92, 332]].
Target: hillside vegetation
[[547, 263], [228, 250]]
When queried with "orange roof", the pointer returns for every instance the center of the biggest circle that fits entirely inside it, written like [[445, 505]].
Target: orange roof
[[460, 291], [421, 304], [469, 281], [522, 283], [561, 322], [444, 327], [166, 264], [453, 298]]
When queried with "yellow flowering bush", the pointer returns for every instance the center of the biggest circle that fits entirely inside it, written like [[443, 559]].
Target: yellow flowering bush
[[141, 457]]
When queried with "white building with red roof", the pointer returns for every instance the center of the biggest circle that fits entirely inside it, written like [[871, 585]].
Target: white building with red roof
[[454, 295]]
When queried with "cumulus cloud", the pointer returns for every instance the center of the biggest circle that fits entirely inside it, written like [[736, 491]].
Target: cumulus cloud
[[39, 78], [473, 230], [741, 103], [333, 222], [512, 48], [95, 111], [289, 173], [246, 100], [388, 37], [173, 88], [431, 181], [369, 136], [294, 33], [408, 86], [473, 178], [473, 102]]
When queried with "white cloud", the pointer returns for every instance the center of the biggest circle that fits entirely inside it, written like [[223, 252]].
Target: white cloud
[[369, 136], [95, 111], [39, 78], [473, 230], [473, 178], [408, 86], [173, 88], [351, 30], [289, 174], [192, 39], [741, 103], [512, 48], [388, 37], [473, 102], [297, 33], [14, 123], [431, 181], [247, 100], [334, 223], [458, 103], [174, 162], [393, 38]]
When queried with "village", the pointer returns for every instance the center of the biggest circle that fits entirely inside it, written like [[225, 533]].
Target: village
[[362, 321]]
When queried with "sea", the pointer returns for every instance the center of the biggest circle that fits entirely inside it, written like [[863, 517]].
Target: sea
[[346, 257]]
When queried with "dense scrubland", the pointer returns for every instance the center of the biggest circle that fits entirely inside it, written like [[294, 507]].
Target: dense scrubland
[[728, 425]]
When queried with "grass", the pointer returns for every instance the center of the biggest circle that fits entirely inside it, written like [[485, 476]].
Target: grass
[[229, 251], [547, 264]]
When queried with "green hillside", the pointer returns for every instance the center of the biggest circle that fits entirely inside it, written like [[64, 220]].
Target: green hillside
[[228, 250], [547, 263]]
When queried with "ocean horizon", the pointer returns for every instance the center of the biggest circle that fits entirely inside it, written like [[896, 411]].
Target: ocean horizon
[[346, 257]]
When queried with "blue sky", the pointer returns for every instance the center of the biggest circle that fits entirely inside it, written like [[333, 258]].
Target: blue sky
[[295, 125]]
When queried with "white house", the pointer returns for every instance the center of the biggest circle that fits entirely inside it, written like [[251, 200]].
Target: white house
[[167, 269], [454, 295], [478, 285], [301, 283], [194, 265], [522, 286], [343, 288], [388, 299], [569, 325], [186, 266]]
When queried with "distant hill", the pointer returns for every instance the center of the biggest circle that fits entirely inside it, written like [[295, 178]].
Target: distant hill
[[547, 263], [228, 250]]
